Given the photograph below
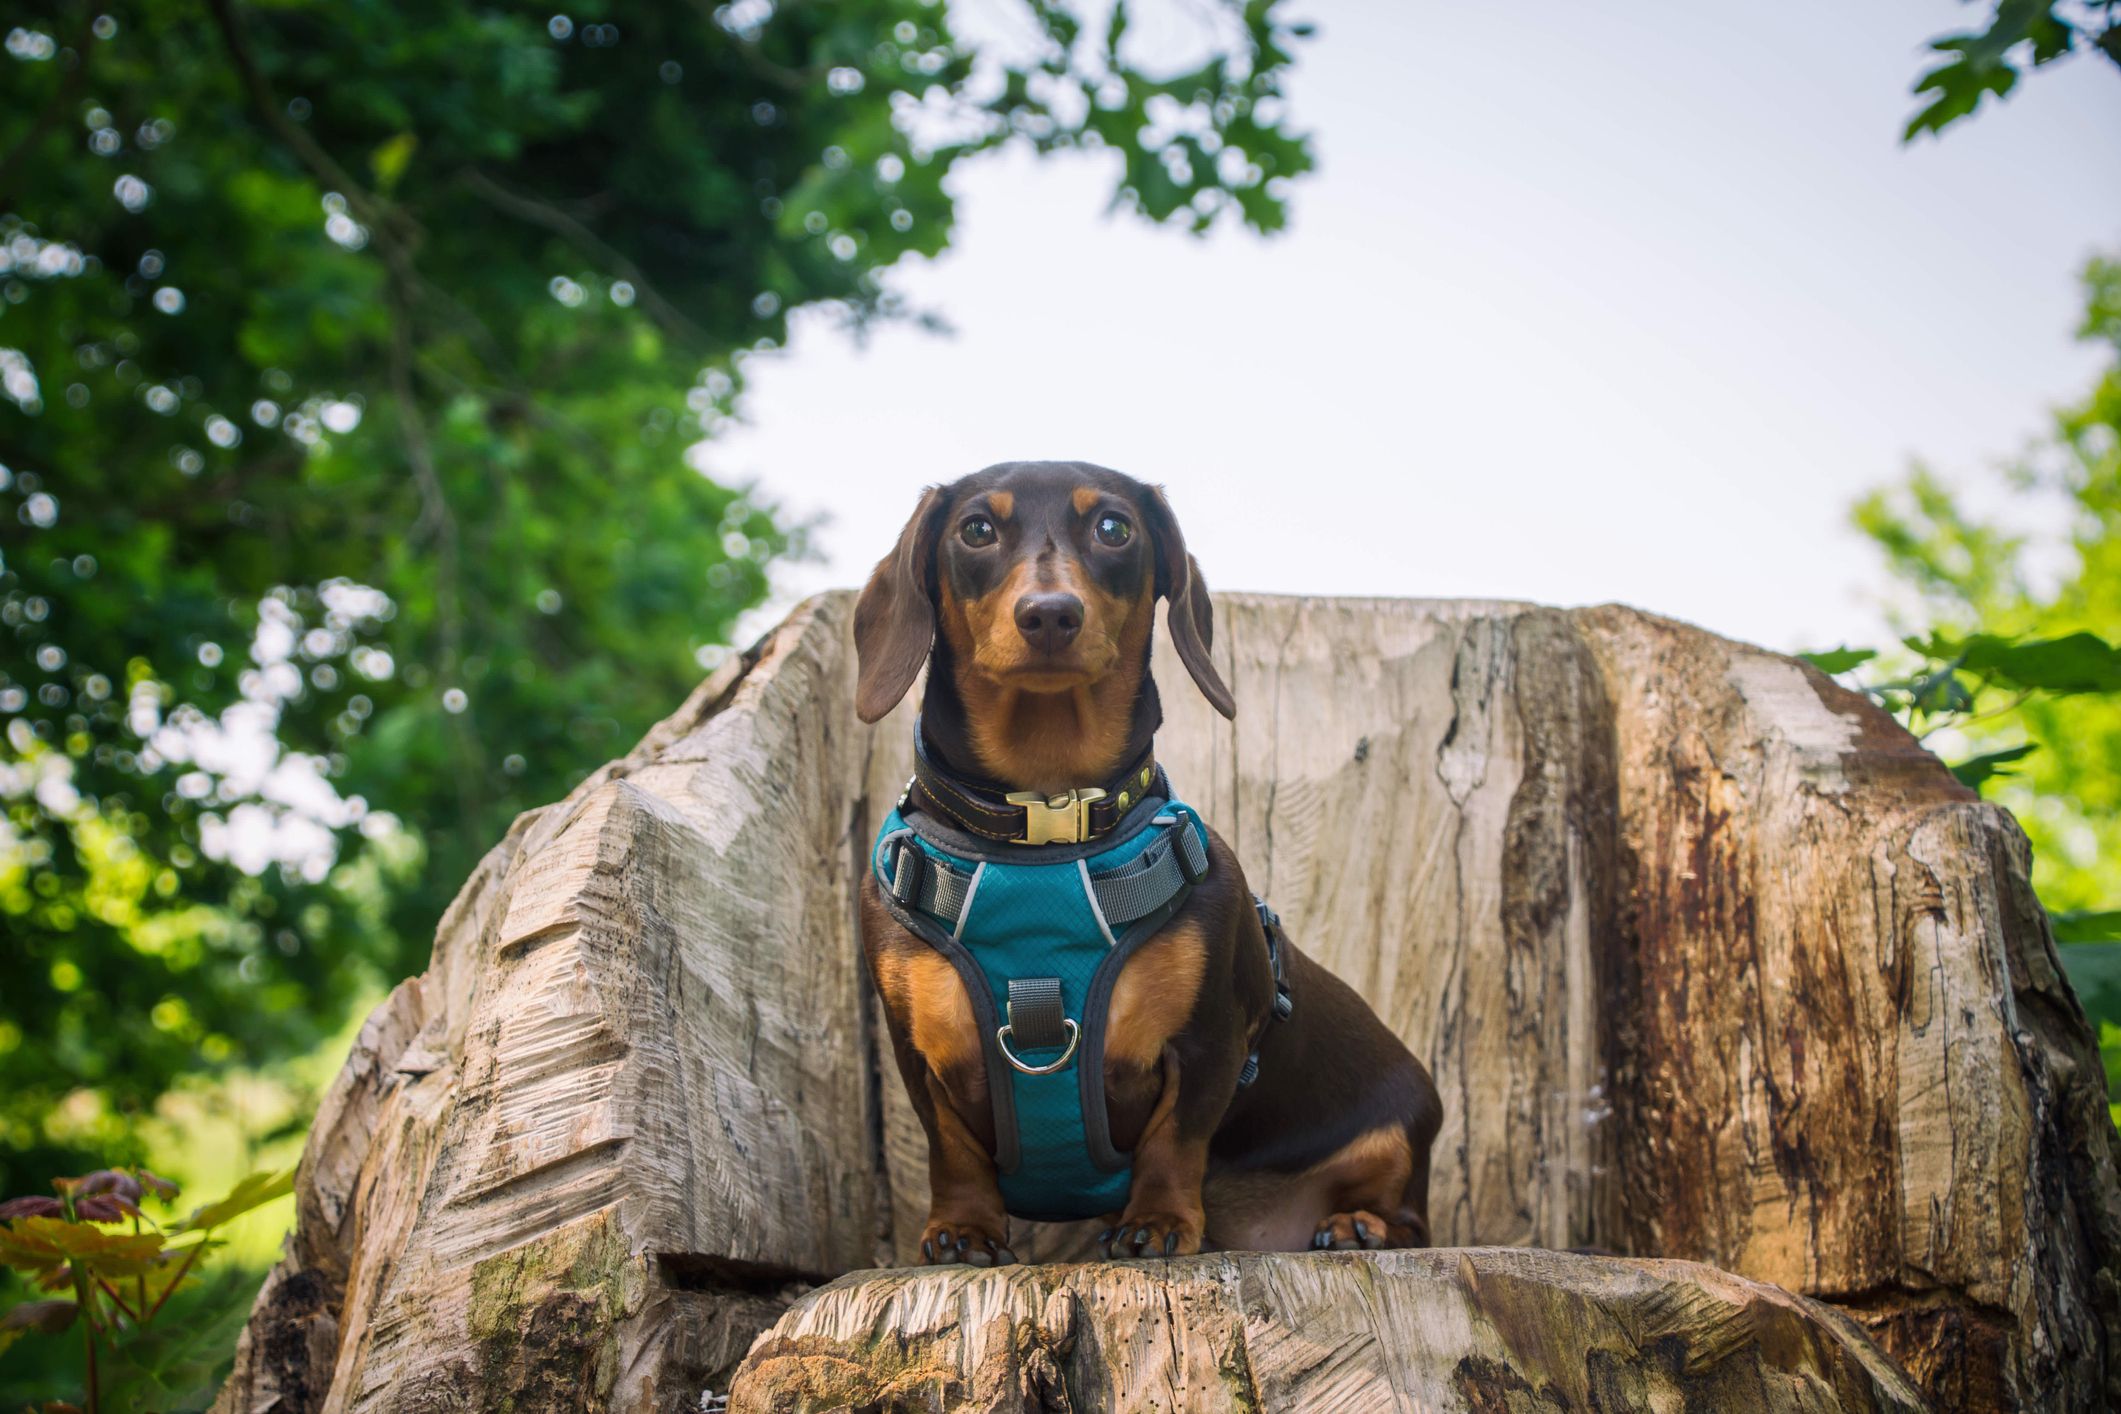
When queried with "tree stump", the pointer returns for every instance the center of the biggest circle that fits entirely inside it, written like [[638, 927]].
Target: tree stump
[[1480, 1328], [1711, 962]]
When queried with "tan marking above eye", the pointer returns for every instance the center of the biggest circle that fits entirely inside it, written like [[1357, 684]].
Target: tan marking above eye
[[1002, 503], [1084, 500]]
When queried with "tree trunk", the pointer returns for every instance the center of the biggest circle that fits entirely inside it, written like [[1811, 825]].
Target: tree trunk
[[1710, 960]]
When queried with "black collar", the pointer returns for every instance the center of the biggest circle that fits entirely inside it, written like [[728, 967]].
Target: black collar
[[1028, 817]]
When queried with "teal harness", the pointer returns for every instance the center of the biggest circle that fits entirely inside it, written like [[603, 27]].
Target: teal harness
[[1039, 934]]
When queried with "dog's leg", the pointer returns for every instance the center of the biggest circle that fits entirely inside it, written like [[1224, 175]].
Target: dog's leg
[[966, 1219], [1164, 1216], [1380, 1193], [935, 1041]]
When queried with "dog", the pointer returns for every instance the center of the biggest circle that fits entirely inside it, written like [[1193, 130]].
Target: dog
[[1187, 1074]]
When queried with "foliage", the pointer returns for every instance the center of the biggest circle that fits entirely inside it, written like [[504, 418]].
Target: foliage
[[349, 358], [2018, 34], [108, 1270]]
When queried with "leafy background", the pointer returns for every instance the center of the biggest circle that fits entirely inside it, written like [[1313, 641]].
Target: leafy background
[[351, 356], [354, 363]]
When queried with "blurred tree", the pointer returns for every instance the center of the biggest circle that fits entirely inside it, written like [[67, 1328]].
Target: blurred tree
[[349, 358], [2018, 35]]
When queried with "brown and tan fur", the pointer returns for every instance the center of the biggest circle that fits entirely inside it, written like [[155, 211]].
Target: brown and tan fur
[[1034, 614]]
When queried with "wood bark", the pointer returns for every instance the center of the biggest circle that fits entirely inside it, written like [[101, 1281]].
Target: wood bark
[[1709, 959], [1479, 1328]]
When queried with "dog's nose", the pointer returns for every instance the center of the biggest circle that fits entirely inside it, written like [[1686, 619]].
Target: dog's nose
[[1049, 622]]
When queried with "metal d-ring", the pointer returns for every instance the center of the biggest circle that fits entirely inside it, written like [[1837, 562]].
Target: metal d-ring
[[1002, 1039]]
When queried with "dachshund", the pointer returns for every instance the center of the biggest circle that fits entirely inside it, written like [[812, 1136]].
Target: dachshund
[[1253, 1100]]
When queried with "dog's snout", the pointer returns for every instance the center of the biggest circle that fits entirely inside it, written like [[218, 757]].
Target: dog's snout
[[1049, 622]]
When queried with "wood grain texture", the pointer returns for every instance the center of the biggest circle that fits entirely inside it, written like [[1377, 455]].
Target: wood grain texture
[[1846, 1058], [1710, 961], [1484, 1328]]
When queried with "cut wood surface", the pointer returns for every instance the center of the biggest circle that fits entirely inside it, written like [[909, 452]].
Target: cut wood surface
[[1481, 1328], [1709, 959]]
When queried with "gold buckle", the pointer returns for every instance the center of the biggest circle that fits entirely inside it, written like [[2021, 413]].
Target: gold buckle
[[1056, 819]]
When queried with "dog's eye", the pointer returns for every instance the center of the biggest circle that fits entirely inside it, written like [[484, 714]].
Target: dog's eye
[[978, 532], [1114, 530]]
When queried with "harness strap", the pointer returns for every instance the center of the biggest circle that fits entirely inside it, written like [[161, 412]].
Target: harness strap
[[1135, 890], [1037, 1018], [929, 885], [1284, 1003]]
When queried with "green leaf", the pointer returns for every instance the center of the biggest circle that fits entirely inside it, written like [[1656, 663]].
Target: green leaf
[[2088, 925], [1973, 771], [1934, 694], [1960, 86], [2073, 662], [390, 160], [2077, 662], [1835, 661], [1981, 64], [180, 1360], [2052, 37], [253, 1192]]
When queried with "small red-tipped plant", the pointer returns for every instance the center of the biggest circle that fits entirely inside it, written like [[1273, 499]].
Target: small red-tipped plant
[[120, 1266]]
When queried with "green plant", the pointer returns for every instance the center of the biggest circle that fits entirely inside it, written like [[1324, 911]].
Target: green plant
[[110, 1268], [2018, 35]]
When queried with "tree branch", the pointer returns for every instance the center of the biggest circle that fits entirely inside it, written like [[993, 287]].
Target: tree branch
[[393, 233], [588, 243], [389, 227], [435, 515], [794, 80], [119, 1301], [183, 1268], [2011, 706]]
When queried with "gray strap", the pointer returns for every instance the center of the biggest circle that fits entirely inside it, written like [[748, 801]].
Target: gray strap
[[929, 885], [1037, 1019], [944, 890], [1153, 879]]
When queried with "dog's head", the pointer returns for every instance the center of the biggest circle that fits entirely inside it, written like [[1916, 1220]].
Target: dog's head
[[1042, 577]]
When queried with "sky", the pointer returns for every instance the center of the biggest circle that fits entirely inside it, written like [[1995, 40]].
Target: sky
[[1586, 303]]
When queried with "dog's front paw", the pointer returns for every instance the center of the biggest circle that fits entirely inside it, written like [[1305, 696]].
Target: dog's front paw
[[1152, 1235], [944, 1243], [1349, 1232]]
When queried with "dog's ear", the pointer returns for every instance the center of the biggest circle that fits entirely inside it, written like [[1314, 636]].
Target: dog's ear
[[1192, 617], [894, 620]]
